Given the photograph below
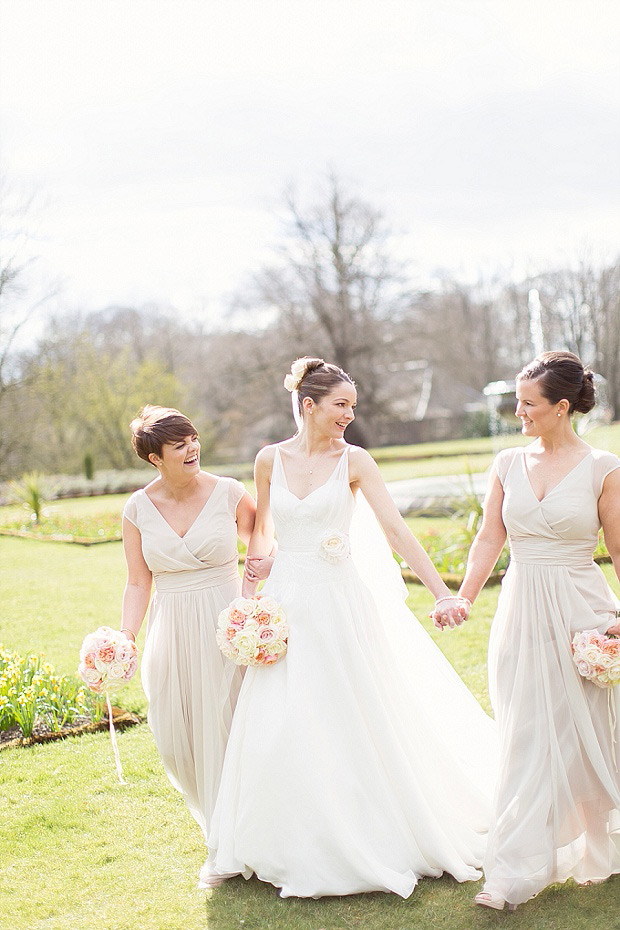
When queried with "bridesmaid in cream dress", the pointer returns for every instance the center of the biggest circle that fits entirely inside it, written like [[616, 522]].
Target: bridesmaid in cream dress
[[557, 805], [180, 531]]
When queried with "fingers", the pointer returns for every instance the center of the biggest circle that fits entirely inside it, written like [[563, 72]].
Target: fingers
[[257, 568], [452, 612]]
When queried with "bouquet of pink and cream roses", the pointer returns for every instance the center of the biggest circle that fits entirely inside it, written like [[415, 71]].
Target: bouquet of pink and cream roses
[[107, 660], [253, 631], [597, 657]]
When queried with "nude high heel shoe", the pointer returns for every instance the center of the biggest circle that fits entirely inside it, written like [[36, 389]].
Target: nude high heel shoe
[[487, 899]]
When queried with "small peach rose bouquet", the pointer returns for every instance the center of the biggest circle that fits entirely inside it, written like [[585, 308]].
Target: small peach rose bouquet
[[597, 657], [253, 631], [107, 660]]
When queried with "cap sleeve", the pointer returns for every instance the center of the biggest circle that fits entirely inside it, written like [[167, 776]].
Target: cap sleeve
[[235, 492], [130, 510], [502, 462], [604, 464]]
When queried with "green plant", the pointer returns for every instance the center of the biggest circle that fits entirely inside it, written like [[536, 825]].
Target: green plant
[[89, 468], [31, 692], [30, 491]]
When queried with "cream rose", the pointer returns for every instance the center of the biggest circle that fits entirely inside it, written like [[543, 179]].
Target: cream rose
[[298, 370], [247, 644], [334, 546], [267, 604]]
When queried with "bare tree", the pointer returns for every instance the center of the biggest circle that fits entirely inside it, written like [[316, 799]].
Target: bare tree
[[582, 309], [335, 288], [20, 299]]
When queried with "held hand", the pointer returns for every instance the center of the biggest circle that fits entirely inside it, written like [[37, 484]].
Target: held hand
[[257, 568], [613, 630], [450, 612]]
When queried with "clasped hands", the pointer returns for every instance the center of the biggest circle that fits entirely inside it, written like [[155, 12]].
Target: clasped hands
[[450, 612], [256, 569]]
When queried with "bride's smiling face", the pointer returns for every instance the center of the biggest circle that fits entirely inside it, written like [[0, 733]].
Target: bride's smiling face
[[334, 412]]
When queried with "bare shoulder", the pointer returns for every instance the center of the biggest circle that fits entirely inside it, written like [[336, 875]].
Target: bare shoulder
[[361, 462], [263, 463]]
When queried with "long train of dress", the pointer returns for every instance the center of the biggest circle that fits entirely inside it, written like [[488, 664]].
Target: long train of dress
[[360, 762]]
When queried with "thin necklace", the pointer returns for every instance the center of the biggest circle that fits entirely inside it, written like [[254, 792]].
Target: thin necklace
[[321, 456]]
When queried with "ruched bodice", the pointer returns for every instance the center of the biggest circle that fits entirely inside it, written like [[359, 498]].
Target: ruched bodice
[[567, 513], [558, 798], [206, 556]]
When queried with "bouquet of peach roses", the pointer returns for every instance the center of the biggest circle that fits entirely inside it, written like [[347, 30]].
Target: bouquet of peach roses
[[107, 659], [597, 657], [253, 631]]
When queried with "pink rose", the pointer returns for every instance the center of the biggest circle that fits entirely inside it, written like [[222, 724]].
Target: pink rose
[[105, 654]]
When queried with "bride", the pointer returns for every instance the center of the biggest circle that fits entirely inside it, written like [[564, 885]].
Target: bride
[[360, 762]]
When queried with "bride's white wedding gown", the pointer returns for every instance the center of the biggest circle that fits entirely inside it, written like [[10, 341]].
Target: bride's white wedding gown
[[360, 762]]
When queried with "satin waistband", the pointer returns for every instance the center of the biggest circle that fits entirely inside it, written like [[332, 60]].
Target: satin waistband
[[195, 579], [528, 551]]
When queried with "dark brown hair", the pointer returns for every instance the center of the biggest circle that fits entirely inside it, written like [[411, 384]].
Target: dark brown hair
[[562, 377], [155, 426], [319, 379]]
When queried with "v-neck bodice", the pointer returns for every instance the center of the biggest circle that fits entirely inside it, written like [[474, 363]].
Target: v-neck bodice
[[206, 555], [301, 523], [563, 526]]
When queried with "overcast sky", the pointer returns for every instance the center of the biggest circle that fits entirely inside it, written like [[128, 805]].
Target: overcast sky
[[160, 135]]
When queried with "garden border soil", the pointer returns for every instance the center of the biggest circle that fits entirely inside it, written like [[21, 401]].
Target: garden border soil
[[122, 719]]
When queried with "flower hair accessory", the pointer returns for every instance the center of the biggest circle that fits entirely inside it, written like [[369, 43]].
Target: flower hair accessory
[[299, 369]]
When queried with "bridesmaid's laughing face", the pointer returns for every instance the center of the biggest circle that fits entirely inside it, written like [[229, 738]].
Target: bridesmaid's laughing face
[[538, 415], [181, 457]]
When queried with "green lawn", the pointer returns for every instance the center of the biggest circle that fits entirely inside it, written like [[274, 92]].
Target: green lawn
[[78, 851]]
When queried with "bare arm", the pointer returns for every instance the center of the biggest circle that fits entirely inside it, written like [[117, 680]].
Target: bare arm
[[261, 540], [609, 514], [488, 543], [257, 567], [139, 580], [365, 475]]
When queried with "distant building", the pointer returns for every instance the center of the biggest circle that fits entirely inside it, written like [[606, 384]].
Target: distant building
[[426, 404]]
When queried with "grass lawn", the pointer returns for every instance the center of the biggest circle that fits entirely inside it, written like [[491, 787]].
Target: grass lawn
[[78, 851]]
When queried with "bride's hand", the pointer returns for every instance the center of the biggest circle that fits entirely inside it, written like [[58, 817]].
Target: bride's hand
[[613, 630], [257, 568], [450, 612]]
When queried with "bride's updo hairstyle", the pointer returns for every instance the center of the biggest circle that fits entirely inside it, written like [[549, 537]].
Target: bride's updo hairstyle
[[314, 378], [155, 426], [562, 377]]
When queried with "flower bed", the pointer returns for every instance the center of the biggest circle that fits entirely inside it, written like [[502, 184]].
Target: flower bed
[[36, 704]]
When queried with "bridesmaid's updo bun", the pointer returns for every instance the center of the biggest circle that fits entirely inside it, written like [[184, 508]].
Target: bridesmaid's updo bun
[[562, 377], [155, 426], [314, 378]]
